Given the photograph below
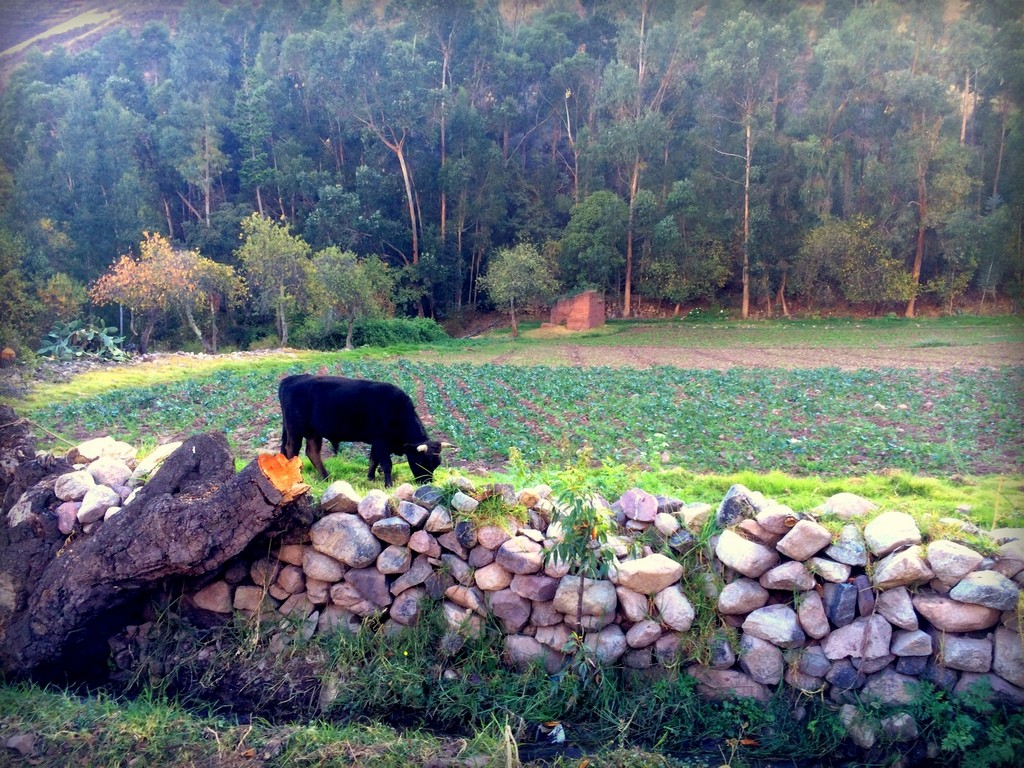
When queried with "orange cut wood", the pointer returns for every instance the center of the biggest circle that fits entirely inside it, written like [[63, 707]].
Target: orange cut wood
[[283, 473]]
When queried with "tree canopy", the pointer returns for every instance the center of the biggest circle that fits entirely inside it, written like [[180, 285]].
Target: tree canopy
[[664, 152]]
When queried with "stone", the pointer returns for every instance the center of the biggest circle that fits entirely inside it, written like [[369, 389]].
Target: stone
[[848, 547], [870, 666], [427, 496], [844, 676], [828, 570], [512, 610], [674, 609], [523, 651], [811, 614], [458, 568], [992, 686], [107, 470], [291, 554], [865, 596], [804, 539], [544, 614], [436, 584], [345, 537], [406, 608], [464, 503], [790, 576], [777, 624], [859, 728], [90, 450], [762, 660], [904, 568], [492, 536], [607, 645], [968, 654], [895, 605], [906, 642], [493, 577], [292, 579], [467, 597], [151, 462], [425, 544], [215, 597], [948, 615], [747, 557], [264, 571], [449, 541], [739, 503], [865, 638], [462, 620], [317, 565], [900, 727], [695, 515], [840, 603], [418, 573], [889, 531], [557, 636], [67, 516], [392, 530], [1008, 656], [643, 634], [394, 559], [297, 606], [632, 605], [720, 653], [374, 506], [649, 575], [950, 561], [599, 597], [723, 684], [666, 524], [890, 688], [413, 514], [439, 521], [371, 584], [794, 678], [481, 556], [914, 666], [848, 506], [813, 662], [318, 592], [465, 532], [534, 586], [638, 505], [520, 554], [777, 518], [987, 588], [340, 496], [741, 597], [96, 502], [252, 600]]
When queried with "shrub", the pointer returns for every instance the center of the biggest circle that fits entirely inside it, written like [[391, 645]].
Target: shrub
[[371, 333]]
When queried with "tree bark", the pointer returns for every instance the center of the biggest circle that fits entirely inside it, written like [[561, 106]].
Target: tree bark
[[58, 595]]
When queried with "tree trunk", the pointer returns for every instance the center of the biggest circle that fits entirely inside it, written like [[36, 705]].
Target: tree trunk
[[348, 336], [922, 213], [746, 228], [512, 311], [67, 594]]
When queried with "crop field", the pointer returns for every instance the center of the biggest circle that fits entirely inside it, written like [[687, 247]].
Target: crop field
[[822, 421]]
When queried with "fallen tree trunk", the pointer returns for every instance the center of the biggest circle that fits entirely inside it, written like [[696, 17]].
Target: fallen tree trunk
[[193, 516]]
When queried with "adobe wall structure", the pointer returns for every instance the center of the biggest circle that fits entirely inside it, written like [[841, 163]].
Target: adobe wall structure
[[579, 313]]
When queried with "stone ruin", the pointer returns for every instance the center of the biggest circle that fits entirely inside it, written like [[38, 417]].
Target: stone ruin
[[579, 313], [855, 610]]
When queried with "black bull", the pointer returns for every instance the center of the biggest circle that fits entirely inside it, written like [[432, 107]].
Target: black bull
[[354, 410]]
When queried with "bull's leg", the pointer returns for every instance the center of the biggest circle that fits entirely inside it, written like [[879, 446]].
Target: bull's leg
[[313, 446], [381, 455], [290, 443]]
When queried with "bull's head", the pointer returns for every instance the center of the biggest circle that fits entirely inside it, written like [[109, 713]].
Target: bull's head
[[424, 458]]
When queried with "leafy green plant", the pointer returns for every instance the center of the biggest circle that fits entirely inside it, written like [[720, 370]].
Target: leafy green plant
[[76, 339]]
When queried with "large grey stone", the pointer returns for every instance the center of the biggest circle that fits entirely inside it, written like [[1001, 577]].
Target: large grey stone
[[761, 660], [811, 612], [649, 575], [968, 654], [777, 624], [848, 547], [790, 576], [804, 539], [1008, 656], [890, 531], [741, 597], [949, 615], [904, 568], [987, 588], [895, 605], [951, 561], [520, 554], [748, 557], [674, 609], [840, 603], [599, 597], [345, 537], [738, 504], [722, 684], [340, 496]]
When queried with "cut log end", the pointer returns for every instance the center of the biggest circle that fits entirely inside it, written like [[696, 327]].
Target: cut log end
[[284, 474]]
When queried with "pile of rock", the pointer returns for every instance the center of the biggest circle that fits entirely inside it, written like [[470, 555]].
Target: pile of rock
[[865, 611], [844, 600], [105, 478]]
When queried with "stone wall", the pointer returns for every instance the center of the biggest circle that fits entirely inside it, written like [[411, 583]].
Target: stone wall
[[865, 610], [579, 313], [844, 600]]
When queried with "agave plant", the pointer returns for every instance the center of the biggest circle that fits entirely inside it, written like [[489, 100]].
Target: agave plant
[[77, 339]]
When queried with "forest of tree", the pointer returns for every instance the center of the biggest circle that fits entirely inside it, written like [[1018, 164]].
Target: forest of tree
[[839, 153]]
